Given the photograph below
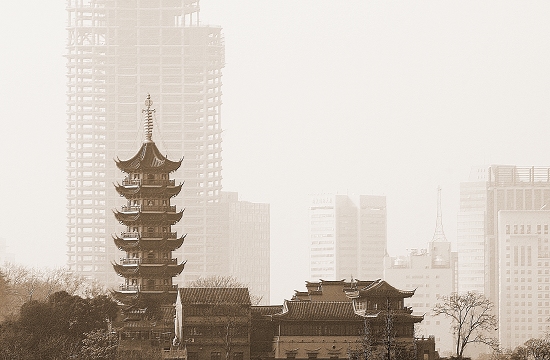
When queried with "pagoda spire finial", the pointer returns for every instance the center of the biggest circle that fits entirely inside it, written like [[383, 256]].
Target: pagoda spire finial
[[148, 123], [439, 235]]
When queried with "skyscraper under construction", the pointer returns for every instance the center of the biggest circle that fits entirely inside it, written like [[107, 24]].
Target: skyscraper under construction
[[118, 51]]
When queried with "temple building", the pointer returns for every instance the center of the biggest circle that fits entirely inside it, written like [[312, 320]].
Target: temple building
[[346, 319], [214, 323], [148, 268]]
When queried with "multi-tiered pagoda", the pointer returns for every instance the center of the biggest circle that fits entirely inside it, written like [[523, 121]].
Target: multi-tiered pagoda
[[148, 267]]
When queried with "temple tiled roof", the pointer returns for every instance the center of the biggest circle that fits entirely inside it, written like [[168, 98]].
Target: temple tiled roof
[[379, 288], [266, 310], [318, 310], [195, 296], [148, 159]]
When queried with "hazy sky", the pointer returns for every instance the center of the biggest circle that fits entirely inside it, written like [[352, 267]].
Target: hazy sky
[[360, 97]]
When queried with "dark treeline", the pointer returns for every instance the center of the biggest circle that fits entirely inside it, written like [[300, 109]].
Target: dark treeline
[[43, 317]]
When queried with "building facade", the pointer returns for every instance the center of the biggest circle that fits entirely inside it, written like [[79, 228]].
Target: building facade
[[347, 238], [331, 320], [433, 273], [248, 230], [213, 323], [342, 320], [524, 276], [117, 53], [496, 188]]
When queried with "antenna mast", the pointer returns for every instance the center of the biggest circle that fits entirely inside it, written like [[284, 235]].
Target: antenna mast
[[439, 235]]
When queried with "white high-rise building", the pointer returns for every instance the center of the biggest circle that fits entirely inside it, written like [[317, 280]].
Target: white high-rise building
[[347, 240], [524, 276], [489, 191], [118, 51], [471, 232]]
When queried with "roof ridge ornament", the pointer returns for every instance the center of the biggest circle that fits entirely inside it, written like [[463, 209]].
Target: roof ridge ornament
[[148, 123]]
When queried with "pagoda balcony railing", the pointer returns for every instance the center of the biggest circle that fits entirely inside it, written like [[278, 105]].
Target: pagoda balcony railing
[[137, 235], [170, 235], [148, 287], [131, 235], [124, 261], [136, 208], [149, 182]]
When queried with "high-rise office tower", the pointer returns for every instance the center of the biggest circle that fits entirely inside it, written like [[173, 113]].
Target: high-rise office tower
[[347, 240], [496, 188], [524, 276], [471, 232], [118, 51], [248, 233]]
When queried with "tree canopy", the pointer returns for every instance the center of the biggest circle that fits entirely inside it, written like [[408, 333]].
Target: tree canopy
[[55, 328]]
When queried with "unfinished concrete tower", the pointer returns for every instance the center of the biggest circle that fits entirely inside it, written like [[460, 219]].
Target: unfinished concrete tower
[[118, 51]]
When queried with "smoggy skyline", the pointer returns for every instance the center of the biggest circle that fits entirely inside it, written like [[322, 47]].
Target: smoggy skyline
[[380, 98]]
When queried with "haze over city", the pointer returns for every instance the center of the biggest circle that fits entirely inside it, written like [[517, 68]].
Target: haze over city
[[357, 97]]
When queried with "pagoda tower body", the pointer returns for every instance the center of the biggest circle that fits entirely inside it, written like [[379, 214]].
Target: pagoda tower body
[[148, 241]]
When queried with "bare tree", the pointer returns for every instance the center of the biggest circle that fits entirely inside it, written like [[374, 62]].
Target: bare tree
[[472, 318], [25, 284], [367, 345], [218, 281]]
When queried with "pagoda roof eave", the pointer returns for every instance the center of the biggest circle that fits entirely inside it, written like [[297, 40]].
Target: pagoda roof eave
[[148, 159], [140, 244], [136, 190], [139, 217], [149, 270]]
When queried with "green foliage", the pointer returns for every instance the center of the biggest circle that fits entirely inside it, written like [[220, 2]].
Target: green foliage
[[56, 328], [99, 344], [538, 349], [519, 353]]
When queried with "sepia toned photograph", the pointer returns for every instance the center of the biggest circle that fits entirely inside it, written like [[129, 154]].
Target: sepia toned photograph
[[261, 180]]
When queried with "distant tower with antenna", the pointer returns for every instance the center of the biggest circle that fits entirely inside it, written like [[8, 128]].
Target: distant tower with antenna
[[435, 270], [439, 234]]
